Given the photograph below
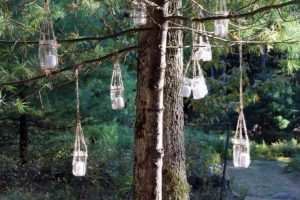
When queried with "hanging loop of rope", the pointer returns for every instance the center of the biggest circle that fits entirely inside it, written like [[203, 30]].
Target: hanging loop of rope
[[221, 5], [47, 7], [241, 106], [77, 95]]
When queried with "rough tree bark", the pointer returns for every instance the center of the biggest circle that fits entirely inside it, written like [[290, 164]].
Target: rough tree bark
[[175, 186], [148, 152]]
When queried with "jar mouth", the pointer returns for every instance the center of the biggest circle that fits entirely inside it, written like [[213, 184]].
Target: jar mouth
[[117, 88], [221, 13], [80, 153], [48, 42], [239, 141]]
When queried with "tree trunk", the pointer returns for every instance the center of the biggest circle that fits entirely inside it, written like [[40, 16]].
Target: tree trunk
[[23, 134], [175, 186], [148, 152]]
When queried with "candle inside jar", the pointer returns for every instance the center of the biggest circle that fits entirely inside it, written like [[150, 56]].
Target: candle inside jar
[[50, 61], [219, 29], [207, 55], [186, 91], [79, 168], [120, 102], [244, 160]]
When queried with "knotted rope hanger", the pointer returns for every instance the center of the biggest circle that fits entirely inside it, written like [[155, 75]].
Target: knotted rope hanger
[[47, 32], [221, 5], [241, 128], [241, 145], [80, 148], [241, 124]]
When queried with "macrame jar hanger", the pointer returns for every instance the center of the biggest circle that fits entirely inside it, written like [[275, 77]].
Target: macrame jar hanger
[[117, 87], [241, 93], [221, 5], [47, 44], [49, 33], [196, 84], [201, 48], [221, 25], [80, 153], [241, 145]]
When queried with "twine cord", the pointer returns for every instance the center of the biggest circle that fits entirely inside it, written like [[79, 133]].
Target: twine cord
[[241, 68], [77, 96]]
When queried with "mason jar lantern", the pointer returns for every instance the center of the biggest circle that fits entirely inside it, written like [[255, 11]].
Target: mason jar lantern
[[241, 154], [48, 56], [221, 25], [80, 153], [201, 45], [117, 88]]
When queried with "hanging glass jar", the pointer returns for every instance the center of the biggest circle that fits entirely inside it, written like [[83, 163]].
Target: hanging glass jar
[[199, 87], [241, 145], [139, 12], [201, 45], [186, 88], [47, 44], [80, 153], [195, 85], [117, 88], [221, 25]]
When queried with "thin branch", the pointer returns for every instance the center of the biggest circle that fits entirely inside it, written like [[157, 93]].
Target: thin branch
[[73, 67], [250, 4], [235, 15], [230, 16], [201, 7], [83, 39]]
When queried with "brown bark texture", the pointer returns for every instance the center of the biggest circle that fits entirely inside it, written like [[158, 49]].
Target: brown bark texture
[[148, 146], [175, 186]]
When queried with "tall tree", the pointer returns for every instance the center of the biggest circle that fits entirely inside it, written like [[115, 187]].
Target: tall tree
[[148, 152], [175, 184]]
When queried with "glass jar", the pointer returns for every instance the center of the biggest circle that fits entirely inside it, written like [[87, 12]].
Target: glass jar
[[48, 54]]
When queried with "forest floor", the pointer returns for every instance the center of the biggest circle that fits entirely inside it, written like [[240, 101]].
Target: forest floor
[[265, 180]]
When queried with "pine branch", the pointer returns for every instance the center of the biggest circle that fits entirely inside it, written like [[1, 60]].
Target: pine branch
[[83, 39], [133, 30], [235, 15], [73, 67]]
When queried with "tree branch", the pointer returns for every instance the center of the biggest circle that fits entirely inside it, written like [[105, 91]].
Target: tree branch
[[83, 39], [73, 67], [235, 15], [230, 16]]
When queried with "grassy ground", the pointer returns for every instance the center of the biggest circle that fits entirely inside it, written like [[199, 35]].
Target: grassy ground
[[265, 180]]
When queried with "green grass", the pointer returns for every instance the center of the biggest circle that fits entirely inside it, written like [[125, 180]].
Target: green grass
[[275, 151]]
